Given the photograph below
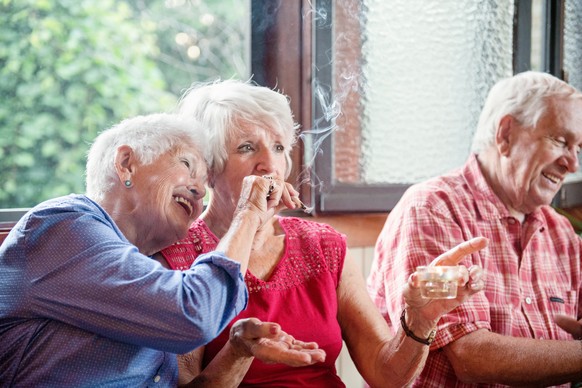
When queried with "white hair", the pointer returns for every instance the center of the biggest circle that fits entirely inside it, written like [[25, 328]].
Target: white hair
[[524, 97], [222, 107], [148, 136]]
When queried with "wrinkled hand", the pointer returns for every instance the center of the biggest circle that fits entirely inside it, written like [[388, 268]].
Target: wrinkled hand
[[266, 196], [569, 324], [268, 343], [469, 282]]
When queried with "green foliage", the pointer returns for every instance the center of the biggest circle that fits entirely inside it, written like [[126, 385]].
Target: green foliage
[[68, 69], [71, 68], [215, 29]]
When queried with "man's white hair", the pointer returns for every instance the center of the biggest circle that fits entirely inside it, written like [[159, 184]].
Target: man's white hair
[[524, 97]]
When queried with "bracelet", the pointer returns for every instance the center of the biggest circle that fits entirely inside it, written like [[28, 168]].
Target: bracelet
[[410, 334]]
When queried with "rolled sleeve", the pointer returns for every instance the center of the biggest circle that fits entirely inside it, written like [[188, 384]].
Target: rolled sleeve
[[472, 315]]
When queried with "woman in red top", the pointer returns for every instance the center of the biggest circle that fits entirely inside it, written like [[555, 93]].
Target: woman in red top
[[299, 274]]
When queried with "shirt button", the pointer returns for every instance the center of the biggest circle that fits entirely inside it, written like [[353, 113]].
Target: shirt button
[[157, 379], [528, 300]]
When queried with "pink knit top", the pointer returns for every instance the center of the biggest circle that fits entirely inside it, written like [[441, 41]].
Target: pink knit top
[[300, 295]]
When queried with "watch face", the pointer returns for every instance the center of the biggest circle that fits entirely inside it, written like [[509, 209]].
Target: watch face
[[431, 336]]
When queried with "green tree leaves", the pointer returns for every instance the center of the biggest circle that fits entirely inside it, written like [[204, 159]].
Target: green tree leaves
[[71, 68], [68, 69]]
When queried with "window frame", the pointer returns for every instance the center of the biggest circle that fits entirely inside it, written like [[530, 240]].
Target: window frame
[[290, 50], [336, 196], [11, 216], [325, 194]]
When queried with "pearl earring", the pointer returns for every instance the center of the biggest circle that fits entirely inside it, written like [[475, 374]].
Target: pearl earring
[[127, 183]]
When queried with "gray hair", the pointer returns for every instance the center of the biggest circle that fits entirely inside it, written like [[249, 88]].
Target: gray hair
[[524, 97], [223, 106], [149, 137]]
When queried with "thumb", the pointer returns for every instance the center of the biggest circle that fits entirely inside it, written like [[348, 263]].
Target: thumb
[[251, 328]]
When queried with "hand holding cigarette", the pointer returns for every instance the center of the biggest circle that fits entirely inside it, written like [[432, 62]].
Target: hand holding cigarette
[[293, 194]]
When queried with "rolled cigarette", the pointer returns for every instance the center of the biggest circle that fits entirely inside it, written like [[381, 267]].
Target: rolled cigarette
[[300, 204]]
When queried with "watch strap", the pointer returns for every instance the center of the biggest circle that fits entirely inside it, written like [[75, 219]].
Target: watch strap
[[409, 333]]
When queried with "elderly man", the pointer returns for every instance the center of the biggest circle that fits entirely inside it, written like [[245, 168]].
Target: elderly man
[[520, 330]]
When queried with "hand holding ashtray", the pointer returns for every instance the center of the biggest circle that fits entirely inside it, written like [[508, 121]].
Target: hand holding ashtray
[[438, 281]]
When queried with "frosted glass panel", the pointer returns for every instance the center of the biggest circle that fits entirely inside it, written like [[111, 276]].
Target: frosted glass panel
[[573, 42], [573, 53], [427, 68]]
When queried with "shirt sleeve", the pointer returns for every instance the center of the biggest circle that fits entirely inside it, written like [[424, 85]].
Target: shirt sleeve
[[83, 272], [413, 236]]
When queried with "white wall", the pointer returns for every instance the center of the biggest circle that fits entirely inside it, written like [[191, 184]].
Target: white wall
[[345, 367]]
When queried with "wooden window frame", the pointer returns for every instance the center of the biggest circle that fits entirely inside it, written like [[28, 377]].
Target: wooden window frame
[[291, 43], [294, 56]]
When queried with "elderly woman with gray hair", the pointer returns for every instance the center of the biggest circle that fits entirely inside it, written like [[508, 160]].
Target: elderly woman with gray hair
[[81, 301], [300, 274]]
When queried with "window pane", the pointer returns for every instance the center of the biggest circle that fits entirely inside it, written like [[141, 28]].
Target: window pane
[[427, 68], [71, 68], [538, 12], [573, 54], [573, 43]]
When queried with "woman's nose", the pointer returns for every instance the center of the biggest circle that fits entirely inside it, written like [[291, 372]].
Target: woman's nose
[[197, 190], [266, 162]]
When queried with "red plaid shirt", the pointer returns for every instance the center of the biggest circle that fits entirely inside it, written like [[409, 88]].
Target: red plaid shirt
[[532, 270]]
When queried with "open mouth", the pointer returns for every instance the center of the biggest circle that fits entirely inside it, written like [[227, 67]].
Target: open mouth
[[552, 178], [185, 204]]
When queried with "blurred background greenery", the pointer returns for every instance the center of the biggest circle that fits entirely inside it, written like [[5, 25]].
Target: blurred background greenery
[[71, 68]]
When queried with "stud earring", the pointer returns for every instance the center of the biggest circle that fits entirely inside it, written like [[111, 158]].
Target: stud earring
[[127, 183]]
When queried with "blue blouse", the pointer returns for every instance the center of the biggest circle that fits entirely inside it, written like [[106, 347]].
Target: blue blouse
[[80, 306]]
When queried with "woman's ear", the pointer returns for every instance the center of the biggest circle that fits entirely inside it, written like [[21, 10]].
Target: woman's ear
[[211, 178], [503, 134], [125, 163]]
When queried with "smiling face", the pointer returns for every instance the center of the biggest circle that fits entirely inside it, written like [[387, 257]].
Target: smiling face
[[169, 193], [534, 162], [251, 150]]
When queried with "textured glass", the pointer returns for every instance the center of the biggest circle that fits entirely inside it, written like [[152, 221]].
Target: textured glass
[[573, 42], [428, 66], [573, 53], [538, 13]]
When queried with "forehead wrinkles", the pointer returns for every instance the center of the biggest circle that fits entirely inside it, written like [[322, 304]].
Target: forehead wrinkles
[[564, 115], [190, 149], [261, 129]]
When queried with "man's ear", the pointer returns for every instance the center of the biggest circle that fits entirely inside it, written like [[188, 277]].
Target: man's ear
[[124, 163], [503, 134]]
